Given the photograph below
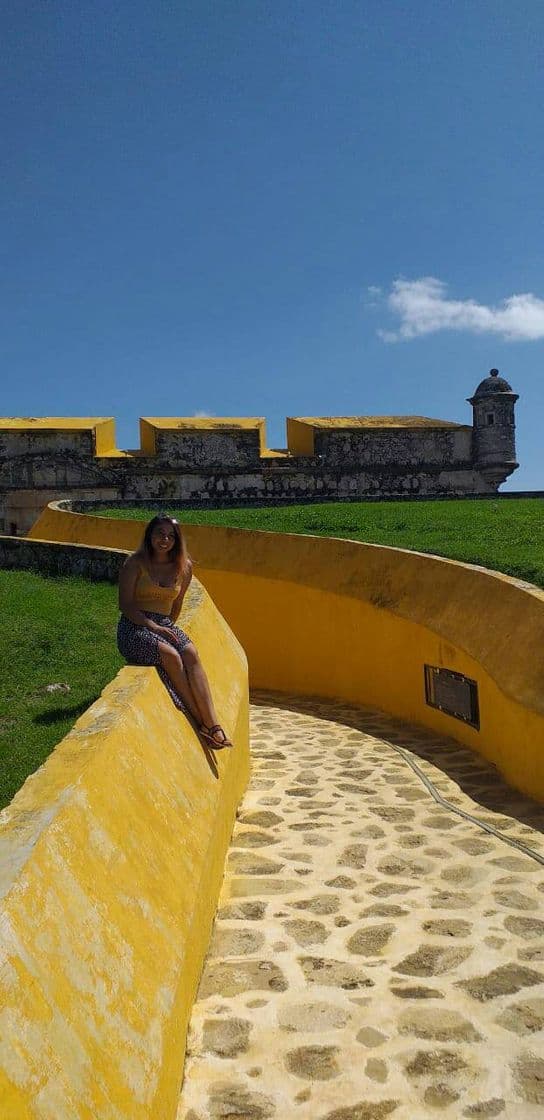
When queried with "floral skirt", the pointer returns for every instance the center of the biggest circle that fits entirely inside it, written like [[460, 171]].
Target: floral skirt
[[140, 646]]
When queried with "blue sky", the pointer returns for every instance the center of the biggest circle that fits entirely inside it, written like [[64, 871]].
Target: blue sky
[[248, 208]]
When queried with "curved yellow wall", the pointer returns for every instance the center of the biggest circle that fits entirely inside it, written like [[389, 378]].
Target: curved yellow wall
[[358, 622], [111, 859]]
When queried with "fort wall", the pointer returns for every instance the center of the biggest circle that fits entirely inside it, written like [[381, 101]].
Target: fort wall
[[225, 461], [114, 849], [111, 861], [359, 622]]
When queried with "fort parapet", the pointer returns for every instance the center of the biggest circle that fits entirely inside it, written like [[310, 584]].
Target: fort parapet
[[225, 460]]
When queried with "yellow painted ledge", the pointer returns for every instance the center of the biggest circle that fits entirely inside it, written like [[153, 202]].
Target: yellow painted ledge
[[111, 860], [342, 619]]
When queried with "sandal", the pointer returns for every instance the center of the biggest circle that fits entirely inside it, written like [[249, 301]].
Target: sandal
[[210, 734]]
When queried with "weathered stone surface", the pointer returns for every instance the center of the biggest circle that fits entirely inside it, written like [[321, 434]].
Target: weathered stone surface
[[376, 1069], [432, 960], [440, 1095], [336, 974], [484, 1109], [229, 1101], [394, 813], [528, 1073], [516, 863], [436, 1063], [439, 821], [502, 981], [244, 863], [515, 900], [318, 1063], [384, 890], [318, 904], [226, 1037], [241, 888], [363, 1110], [384, 910], [243, 911], [230, 978], [235, 942], [523, 1018], [452, 927], [474, 846], [532, 953], [263, 818], [370, 1037], [399, 865], [524, 927], [370, 939], [461, 874], [307, 933], [313, 1016], [438, 1024], [451, 900], [253, 838], [392, 1042], [418, 992], [353, 856]]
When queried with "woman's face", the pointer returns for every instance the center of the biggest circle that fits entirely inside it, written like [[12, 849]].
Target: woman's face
[[163, 538]]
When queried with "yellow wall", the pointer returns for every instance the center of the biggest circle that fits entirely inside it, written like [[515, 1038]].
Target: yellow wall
[[111, 859], [358, 622], [300, 436]]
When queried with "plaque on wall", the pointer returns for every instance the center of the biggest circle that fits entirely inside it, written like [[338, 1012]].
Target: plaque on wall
[[452, 693]]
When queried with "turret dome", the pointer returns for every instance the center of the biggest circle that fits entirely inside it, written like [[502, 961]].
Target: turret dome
[[492, 384]]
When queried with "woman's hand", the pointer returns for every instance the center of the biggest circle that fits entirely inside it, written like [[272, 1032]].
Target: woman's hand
[[162, 631]]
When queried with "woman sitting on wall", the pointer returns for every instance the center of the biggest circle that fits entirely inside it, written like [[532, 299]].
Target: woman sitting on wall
[[152, 587]]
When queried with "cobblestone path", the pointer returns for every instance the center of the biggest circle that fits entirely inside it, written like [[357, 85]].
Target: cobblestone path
[[375, 954]]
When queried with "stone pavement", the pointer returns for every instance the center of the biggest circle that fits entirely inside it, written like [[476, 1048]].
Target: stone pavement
[[375, 954]]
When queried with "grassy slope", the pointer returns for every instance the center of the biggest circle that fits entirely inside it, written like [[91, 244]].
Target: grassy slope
[[63, 630], [505, 535], [54, 631]]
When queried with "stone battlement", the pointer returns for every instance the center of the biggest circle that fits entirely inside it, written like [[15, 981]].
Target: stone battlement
[[226, 460], [224, 439]]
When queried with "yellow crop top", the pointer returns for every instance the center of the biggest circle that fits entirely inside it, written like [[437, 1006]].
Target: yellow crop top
[[150, 596]]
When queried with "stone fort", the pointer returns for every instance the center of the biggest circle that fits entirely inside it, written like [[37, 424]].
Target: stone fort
[[225, 460]]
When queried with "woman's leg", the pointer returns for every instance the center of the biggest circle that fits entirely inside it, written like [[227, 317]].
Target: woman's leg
[[202, 694], [172, 665], [199, 684]]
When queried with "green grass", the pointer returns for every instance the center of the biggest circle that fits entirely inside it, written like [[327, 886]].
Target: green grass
[[54, 631], [507, 535], [62, 631]]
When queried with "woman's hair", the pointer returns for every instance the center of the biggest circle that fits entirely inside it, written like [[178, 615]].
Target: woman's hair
[[179, 550]]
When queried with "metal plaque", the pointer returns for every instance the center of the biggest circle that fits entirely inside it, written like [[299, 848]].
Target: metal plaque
[[453, 694]]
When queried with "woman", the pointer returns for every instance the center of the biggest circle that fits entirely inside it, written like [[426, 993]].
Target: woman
[[152, 587]]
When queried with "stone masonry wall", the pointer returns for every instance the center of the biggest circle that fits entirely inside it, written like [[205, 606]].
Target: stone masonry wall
[[189, 450], [494, 441], [52, 559], [226, 468], [399, 446], [45, 442]]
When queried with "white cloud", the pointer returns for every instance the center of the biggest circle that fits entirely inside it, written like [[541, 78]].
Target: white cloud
[[201, 413], [373, 296], [423, 307]]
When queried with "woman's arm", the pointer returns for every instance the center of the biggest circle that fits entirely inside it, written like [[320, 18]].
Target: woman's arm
[[178, 601], [127, 586]]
